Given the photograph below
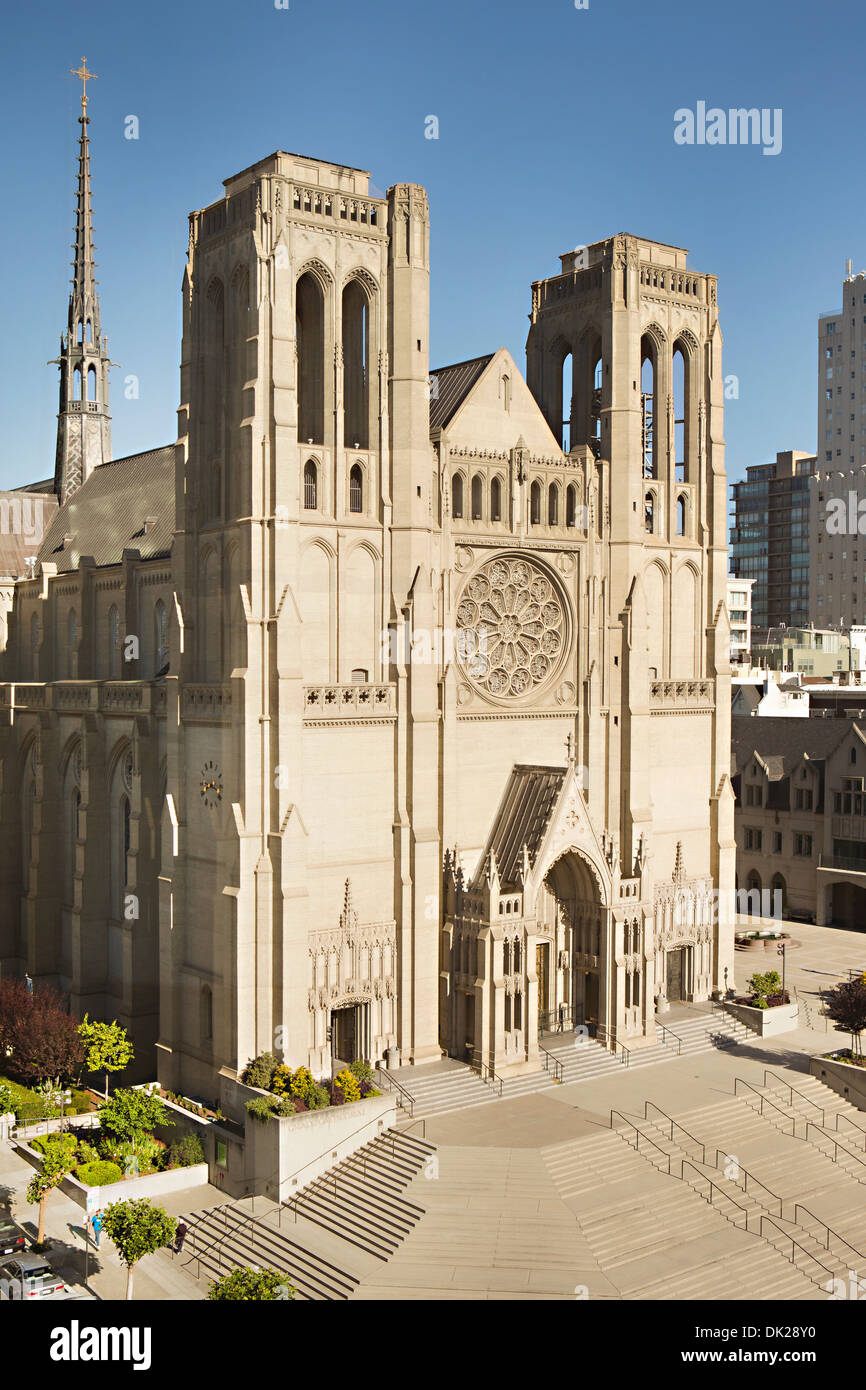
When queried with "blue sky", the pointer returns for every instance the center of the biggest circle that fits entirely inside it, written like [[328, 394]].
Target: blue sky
[[555, 129]]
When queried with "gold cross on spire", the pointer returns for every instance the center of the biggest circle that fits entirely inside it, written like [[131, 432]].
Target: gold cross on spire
[[86, 77]]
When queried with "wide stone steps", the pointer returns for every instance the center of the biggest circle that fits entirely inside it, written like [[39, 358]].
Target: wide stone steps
[[637, 1220], [580, 1058], [224, 1239], [360, 1198]]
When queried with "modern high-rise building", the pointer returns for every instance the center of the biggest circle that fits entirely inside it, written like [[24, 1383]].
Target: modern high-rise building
[[739, 600], [770, 538]]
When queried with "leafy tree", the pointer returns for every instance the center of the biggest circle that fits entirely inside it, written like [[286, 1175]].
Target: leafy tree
[[252, 1286], [38, 1037], [846, 1005], [764, 987], [56, 1164], [137, 1229], [130, 1114], [260, 1071], [7, 1100], [108, 1047]]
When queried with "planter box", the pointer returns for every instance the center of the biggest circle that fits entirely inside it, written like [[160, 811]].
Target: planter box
[[845, 1080], [767, 1023], [284, 1155], [155, 1185]]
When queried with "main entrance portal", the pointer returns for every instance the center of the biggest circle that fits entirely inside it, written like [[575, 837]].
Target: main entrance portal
[[572, 896], [349, 1027], [676, 974]]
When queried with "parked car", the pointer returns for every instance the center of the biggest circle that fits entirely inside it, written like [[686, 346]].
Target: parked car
[[12, 1238], [30, 1276]]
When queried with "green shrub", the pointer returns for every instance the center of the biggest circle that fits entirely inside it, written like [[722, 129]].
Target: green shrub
[[348, 1085], [186, 1151], [252, 1286], [362, 1071], [261, 1109], [98, 1174], [318, 1098], [130, 1114], [67, 1144], [260, 1071]]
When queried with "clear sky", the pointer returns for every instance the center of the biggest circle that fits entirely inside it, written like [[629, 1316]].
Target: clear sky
[[556, 128]]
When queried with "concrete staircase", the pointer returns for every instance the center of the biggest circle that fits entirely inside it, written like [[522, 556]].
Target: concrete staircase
[[572, 1058], [743, 1195], [327, 1237], [811, 1111], [656, 1238], [360, 1200]]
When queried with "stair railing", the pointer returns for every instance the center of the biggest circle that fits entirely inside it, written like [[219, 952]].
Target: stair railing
[[810, 1124], [795, 1244], [394, 1133], [669, 1033], [608, 1035], [551, 1061], [738, 1081], [485, 1070], [639, 1135], [405, 1099], [747, 1177], [798, 1206], [714, 1187], [674, 1124], [792, 1091]]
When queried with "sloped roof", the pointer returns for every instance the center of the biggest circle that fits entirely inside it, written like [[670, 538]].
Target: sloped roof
[[523, 818], [782, 742], [108, 512], [452, 386]]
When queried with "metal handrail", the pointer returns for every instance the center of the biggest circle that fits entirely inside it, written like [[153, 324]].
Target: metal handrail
[[558, 1069], [197, 1256], [794, 1092], [486, 1071], [403, 1096], [739, 1081], [749, 1177], [787, 1235], [640, 1135], [394, 1132], [714, 1187], [810, 1124], [677, 1039], [675, 1124], [608, 1033], [560, 1016], [798, 1206], [840, 1115]]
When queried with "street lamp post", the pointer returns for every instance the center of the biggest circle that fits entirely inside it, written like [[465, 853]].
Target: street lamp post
[[780, 951]]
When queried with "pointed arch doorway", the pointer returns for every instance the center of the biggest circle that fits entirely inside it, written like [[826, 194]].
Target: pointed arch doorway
[[573, 893]]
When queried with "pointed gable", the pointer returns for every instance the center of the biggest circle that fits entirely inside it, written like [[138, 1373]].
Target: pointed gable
[[487, 403]]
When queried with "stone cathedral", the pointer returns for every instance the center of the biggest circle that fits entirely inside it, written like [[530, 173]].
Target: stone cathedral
[[388, 707]]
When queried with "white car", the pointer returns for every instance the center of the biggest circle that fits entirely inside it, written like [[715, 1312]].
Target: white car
[[30, 1276]]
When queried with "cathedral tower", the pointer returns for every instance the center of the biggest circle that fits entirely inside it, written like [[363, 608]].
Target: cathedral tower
[[83, 421]]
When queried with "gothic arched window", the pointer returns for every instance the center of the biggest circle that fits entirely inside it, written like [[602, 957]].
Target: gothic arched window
[[113, 643], [681, 516], [356, 489], [356, 354], [477, 497], [535, 505], [457, 496], [496, 500], [311, 486], [310, 339], [160, 637], [553, 505], [570, 505]]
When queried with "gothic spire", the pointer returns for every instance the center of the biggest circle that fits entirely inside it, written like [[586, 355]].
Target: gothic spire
[[83, 421]]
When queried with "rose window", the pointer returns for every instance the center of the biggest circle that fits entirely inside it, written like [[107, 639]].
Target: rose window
[[511, 627]]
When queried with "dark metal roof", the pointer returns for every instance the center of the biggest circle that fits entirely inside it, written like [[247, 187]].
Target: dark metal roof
[[781, 742], [523, 818], [108, 513], [451, 387]]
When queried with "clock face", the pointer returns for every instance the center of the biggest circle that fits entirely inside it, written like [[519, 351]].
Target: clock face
[[211, 784]]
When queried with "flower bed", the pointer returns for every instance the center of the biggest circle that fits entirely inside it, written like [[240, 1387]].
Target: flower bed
[[290, 1092]]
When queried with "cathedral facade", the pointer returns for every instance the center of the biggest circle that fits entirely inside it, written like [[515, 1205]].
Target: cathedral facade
[[386, 711]]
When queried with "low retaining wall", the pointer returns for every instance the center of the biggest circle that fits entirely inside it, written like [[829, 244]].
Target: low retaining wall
[[284, 1155], [845, 1080], [154, 1185], [767, 1023]]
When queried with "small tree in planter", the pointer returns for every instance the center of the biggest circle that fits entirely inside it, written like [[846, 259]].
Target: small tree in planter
[[108, 1047], [137, 1229], [56, 1165], [846, 1005], [252, 1286], [764, 987]]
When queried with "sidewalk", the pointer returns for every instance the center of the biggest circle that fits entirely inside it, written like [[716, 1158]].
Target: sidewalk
[[88, 1272]]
